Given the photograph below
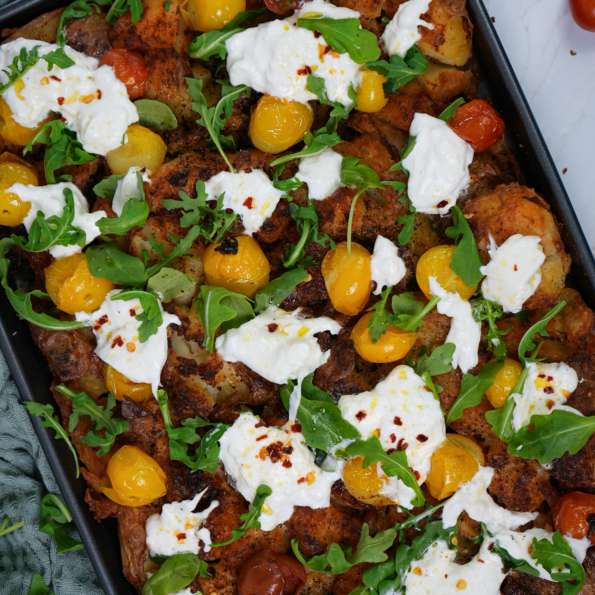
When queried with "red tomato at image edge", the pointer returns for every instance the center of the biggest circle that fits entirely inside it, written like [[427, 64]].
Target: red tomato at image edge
[[583, 12]]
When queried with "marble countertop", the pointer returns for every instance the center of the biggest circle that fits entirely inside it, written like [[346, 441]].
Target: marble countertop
[[554, 60]]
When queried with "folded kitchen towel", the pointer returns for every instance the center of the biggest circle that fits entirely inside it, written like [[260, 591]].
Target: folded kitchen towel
[[25, 478]]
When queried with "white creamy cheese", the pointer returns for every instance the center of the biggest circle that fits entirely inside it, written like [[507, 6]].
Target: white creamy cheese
[[438, 165], [546, 389], [116, 329], [436, 573], [387, 266], [465, 331], [251, 195], [514, 271], [322, 173], [177, 529], [279, 346], [402, 33], [473, 497], [127, 188], [255, 455], [403, 410], [92, 100], [272, 58], [50, 201]]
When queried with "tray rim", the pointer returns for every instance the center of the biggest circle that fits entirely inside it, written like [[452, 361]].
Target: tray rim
[[31, 373]]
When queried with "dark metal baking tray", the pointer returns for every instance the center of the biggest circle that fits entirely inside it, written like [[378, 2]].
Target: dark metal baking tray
[[30, 370]]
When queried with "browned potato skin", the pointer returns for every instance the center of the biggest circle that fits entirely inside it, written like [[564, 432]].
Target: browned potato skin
[[43, 28], [515, 209], [89, 35]]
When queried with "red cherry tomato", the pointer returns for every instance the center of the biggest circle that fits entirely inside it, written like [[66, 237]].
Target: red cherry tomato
[[282, 6], [478, 123], [575, 514], [129, 67], [271, 573], [583, 12]]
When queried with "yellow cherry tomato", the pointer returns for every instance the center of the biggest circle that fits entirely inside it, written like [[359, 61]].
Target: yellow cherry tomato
[[277, 124], [144, 148], [133, 478], [436, 263], [122, 386], [394, 344], [72, 287], [246, 271], [348, 277], [14, 170], [370, 94], [14, 133], [206, 15], [504, 382], [364, 484]]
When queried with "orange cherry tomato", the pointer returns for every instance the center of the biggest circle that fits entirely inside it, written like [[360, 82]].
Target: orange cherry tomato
[[583, 12], [574, 514], [478, 123], [129, 67]]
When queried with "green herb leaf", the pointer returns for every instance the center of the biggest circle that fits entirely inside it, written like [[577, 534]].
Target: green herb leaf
[[317, 86], [278, 289], [107, 187], [250, 518], [486, 310], [345, 36], [155, 114], [151, 318], [119, 7], [450, 111], [181, 245], [407, 221], [409, 312], [55, 520], [354, 173], [405, 152], [511, 562], [217, 306], [472, 390], [400, 71], [393, 464], [213, 43], [413, 520], [134, 213], [58, 58], [527, 342], [465, 259], [38, 587], [378, 323], [176, 573], [500, 420], [107, 261], [21, 64], [171, 284], [439, 362], [51, 421], [77, 10]]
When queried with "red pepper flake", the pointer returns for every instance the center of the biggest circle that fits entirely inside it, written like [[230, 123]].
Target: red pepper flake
[[541, 375], [98, 93], [181, 536], [548, 390], [317, 34], [275, 451], [272, 327], [549, 404], [55, 78], [390, 451], [442, 204], [401, 444], [572, 53], [327, 49], [60, 100], [417, 475], [117, 342], [248, 202], [261, 424], [296, 427], [393, 438], [531, 428], [360, 415], [491, 546], [565, 170], [493, 21], [550, 378], [287, 450], [287, 464], [248, 170], [100, 322], [304, 70], [63, 120], [397, 421], [480, 560], [228, 211], [516, 268], [422, 438], [132, 312], [262, 437], [301, 480]]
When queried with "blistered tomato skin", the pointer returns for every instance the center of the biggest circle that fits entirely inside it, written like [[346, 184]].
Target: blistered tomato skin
[[144, 148], [370, 95], [348, 277], [277, 124], [14, 133], [393, 345], [583, 12], [271, 573], [207, 15], [365, 483], [129, 67], [478, 123], [436, 263], [13, 170], [574, 515], [133, 478], [504, 382], [238, 264], [121, 386]]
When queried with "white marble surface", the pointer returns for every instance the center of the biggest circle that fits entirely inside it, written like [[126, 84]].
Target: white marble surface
[[538, 36]]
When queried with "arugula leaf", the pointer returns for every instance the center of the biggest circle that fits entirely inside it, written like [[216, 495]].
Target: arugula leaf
[[250, 518], [213, 43], [405, 152], [486, 310], [217, 306], [171, 284], [213, 223], [107, 261], [450, 111], [379, 320], [407, 221], [55, 520], [465, 259], [151, 318], [439, 362], [63, 149], [56, 230], [340, 558], [21, 64], [278, 289], [407, 313], [511, 562], [5, 529], [472, 390], [120, 7], [83, 404], [38, 586], [554, 555], [107, 187], [393, 464], [51, 421], [322, 424], [345, 36], [134, 213], [413, 520], [155, 114], [500, 420], [58, 58], [77, 10], [549, 437], [528, 343], [306, 220], [400, 71], [317, 86], [176, 573]]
